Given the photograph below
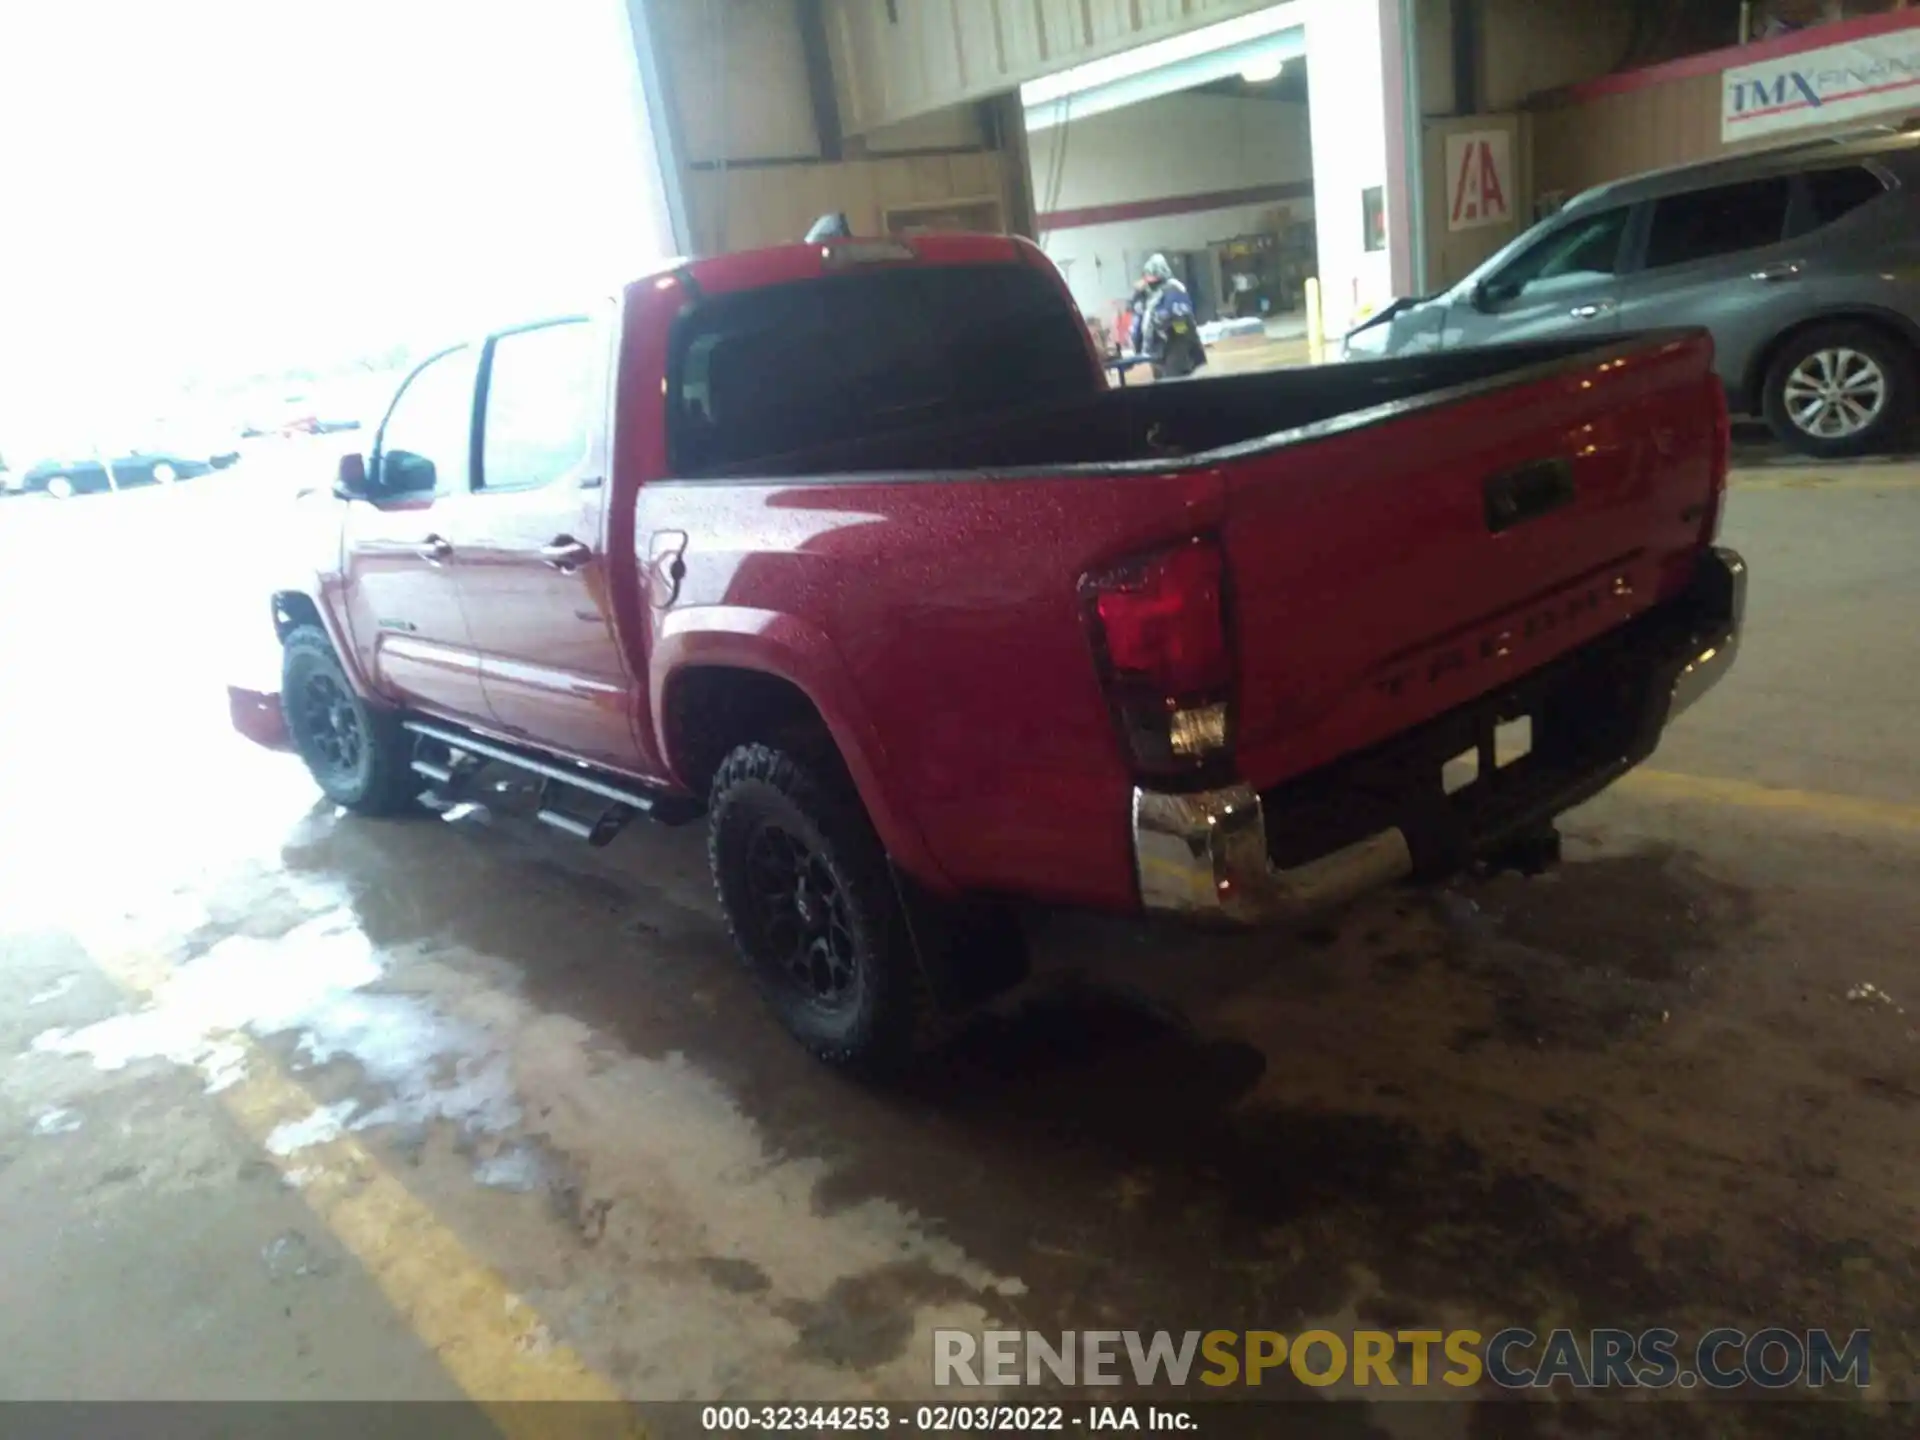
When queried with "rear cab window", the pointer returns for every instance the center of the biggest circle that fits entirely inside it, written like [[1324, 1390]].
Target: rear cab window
[[786, 368]]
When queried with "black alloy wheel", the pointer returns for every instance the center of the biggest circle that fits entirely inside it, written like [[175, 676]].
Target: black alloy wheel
[[800, 913], [358, 752], [328, 721], [814, 911]]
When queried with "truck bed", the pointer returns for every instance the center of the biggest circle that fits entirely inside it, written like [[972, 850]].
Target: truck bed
[[1151, 425], [1372, 583]]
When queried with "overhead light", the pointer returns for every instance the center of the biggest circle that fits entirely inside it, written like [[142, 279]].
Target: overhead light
[[1261, 71]]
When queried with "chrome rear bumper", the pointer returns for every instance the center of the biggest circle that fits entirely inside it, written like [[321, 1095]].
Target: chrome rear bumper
[[1205, 856], [1723, 580]]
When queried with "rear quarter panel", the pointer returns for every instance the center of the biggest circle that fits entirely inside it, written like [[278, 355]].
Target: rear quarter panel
[[935, 623]]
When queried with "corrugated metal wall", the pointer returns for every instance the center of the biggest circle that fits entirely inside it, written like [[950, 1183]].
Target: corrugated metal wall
[[753, 168], [900, 58], [739, 75]]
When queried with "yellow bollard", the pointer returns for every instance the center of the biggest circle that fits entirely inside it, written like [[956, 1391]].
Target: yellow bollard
[[1316, 323]]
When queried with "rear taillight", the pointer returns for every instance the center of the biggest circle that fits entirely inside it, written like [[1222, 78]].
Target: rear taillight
[[1159, 630]]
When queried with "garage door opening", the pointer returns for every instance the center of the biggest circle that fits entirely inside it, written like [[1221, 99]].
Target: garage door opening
[[1200, 150]]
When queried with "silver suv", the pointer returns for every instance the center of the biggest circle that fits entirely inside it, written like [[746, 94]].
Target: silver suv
[[1804, 263]]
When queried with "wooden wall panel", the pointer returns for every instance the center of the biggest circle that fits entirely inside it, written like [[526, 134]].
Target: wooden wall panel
[[1452, 254], [1610, 137], [1529, 46], [1588, 143], [775, 204]]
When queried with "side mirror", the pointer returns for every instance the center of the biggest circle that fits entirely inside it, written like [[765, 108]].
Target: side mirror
[[1490, 295], [402, 472], [350, 483]]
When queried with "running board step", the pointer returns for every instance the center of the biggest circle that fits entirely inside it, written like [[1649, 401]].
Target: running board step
[[667, 809], [596, 832], [561, 821], [439, 774]]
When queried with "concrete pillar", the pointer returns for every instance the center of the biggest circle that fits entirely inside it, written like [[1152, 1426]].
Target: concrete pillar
[[658, 121], [1004, 122], [1360, 107]]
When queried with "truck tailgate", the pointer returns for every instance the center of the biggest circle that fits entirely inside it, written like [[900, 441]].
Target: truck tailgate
[[1405, 562]]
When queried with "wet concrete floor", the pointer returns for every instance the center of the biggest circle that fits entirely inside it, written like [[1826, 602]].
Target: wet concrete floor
[[1672, 1084]]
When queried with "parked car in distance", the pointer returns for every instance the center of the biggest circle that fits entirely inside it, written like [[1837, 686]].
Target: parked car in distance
[[1803, 262], [939, 619], [297, 416], [63, 478]]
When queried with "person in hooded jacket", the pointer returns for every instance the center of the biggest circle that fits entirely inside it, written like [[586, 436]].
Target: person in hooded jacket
[[1165, 328]]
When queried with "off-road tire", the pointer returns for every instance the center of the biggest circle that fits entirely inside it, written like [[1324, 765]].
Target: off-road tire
[[1887, 430], [381, 779], [763, 795]]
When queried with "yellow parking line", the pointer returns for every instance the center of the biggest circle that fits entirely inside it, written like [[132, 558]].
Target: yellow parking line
[[1851, 809], [1866, 478], [492, 1344]]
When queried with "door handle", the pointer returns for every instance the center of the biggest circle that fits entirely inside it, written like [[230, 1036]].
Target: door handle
[[435, 549], [1592, 311], [1774, 274], [565, 554]]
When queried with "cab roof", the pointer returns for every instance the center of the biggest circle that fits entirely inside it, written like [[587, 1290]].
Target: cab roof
[[786, 264]]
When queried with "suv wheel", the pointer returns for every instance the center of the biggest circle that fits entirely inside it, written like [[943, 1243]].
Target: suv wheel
[[1840, 390]]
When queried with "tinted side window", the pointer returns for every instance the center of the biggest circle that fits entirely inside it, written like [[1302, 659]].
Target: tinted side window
[[539, 392], [787, 368], [428, 436], [1722, 221], [1589, 248], [1832, 193]]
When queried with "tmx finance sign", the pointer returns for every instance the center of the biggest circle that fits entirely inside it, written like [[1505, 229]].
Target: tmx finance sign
[[1875, 75]]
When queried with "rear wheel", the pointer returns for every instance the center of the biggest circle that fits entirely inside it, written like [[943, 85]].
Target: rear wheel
[[1840, 390], [357, 753], [813, 910], [60, 487]]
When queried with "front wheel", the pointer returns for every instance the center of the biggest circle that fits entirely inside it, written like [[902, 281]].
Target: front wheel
[[357, 754], [60, 487], [812, 908], [1841, 390]]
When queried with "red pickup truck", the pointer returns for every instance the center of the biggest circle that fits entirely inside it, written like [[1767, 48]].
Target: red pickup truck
[[850, 548]]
